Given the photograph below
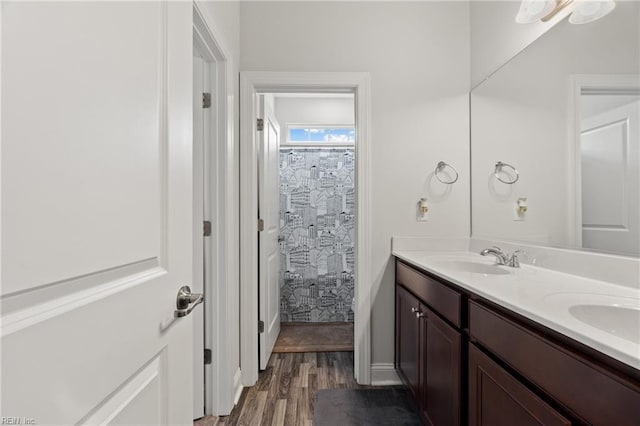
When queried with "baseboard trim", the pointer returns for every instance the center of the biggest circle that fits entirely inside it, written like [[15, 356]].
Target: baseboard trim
[[237, 386], [384, 374]]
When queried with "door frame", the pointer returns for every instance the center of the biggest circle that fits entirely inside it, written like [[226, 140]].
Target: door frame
[[221, 376], [614, 82], [201, 267], [252, 83]]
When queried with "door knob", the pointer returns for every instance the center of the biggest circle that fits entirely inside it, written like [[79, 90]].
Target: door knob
[[186, 301]]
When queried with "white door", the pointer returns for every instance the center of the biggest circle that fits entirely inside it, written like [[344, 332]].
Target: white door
[[269, 212], [199, 117], [96, 212], [610, 152]]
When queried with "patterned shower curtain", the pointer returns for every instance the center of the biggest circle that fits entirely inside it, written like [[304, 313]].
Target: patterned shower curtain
[[317, 230]]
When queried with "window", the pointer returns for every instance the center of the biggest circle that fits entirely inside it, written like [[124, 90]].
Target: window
[[321, 135]]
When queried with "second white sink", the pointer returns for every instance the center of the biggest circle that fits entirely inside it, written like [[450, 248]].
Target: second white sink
[[622, 321], [618, 316]]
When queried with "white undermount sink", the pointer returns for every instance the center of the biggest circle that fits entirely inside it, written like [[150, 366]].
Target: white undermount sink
[[618, 316], [621, 321], [472, 267]]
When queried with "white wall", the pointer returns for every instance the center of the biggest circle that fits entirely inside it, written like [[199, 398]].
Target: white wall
[[223, 18], [522, 116], [313, 110], [418, 57], [496, 37]]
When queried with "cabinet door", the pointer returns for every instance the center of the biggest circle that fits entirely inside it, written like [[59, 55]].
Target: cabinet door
[[567, 376], [496, 398], [440, 369], [407, 336]]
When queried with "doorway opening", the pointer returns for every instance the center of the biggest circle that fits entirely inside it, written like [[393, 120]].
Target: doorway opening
[[298, 240], [316, 221]]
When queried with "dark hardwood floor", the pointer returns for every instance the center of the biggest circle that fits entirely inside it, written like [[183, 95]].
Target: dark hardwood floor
[[285, 390]]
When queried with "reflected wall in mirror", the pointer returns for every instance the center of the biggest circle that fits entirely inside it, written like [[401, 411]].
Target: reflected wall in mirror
[[564, 113]]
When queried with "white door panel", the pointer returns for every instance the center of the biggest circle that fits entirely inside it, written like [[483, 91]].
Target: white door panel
[[96, 212], [67, 103], [130, 404], [610, 181], [269, 211], [604, 163]]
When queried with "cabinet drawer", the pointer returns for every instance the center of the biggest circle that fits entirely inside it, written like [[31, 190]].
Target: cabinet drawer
[[592, 394], [442, 299], [496, 398]]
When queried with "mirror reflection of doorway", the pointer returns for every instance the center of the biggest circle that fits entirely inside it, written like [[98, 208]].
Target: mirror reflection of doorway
[[609, 164]]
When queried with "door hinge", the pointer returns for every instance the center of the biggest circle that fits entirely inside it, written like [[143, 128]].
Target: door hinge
[[207, 356], [260, 225], [206, 228], [206, 100], [260, 124], [260, 326]]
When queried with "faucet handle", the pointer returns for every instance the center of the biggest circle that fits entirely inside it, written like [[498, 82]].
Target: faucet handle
[[520, 253], [514, 262], [498, 249]]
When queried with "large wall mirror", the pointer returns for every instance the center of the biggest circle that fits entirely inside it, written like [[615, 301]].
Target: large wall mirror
[[554, 139]]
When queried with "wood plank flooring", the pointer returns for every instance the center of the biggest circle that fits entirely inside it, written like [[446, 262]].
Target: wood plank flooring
[[284, 392]]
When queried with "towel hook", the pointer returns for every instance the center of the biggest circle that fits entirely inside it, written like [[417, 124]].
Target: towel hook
[[499, 166], [441, 166]]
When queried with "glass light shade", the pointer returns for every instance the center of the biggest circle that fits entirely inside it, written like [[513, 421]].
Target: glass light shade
[[590, 10], [533, 10]]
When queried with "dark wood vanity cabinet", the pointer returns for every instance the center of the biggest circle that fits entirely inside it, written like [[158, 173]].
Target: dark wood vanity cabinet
[[440, 368], [428, 352], [468, 360], [408, 339], [496, 398], [589, 391]]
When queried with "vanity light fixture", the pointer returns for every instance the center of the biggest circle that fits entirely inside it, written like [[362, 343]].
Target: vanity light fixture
[[585, 11], [534, 10], [591, 10]]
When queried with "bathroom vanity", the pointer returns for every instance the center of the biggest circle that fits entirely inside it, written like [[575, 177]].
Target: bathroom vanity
[[473, 348]]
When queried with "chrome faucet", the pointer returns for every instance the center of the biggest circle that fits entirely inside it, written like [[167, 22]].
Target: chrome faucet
[[501, 257]]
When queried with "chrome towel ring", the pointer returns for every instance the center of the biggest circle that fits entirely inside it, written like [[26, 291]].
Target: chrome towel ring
[[499, 166], [441, 166]]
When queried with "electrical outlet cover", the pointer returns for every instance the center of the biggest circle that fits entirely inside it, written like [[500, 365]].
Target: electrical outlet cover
[[420, 217]]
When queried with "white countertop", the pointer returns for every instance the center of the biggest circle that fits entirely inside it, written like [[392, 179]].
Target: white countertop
[[542, 295]]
